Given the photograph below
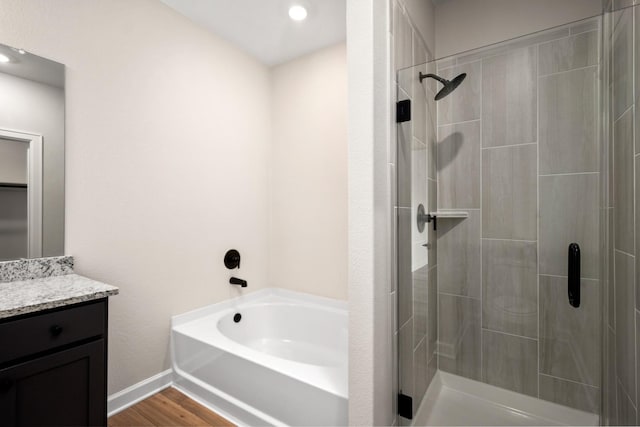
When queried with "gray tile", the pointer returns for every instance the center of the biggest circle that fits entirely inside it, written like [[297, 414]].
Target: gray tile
[[569, 213], [569, 122], [637, 225], [464, 103], [432, 323], [432, 238], [636, 114], [509, 45], [509, 108], [611, 263], [569, 53], [637, 314], [392, 147], [626, 410], [395, 374], [432, 138], [405, 359], [419, 50], [393, 237], [623, 183], [611, 395], [510, 362], [420, 295], [422, 372], [567, 393], [419, 108], [459, 336], [432, 368], [459, 255], [625, 324], [403, 168], [510, 287], [623, 63], [570, 337], [403, 48], [591, 24], [419, 197], [636, 11], [509, 192], [405, 276], [393, 311], [619, 4], [458, 167]]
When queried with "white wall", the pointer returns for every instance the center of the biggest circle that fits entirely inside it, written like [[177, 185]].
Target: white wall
[[167, 139], [468, 24], [308, 232], [33, 107], [370, 305]]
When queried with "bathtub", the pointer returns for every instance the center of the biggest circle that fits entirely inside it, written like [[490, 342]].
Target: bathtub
[[283, 363]]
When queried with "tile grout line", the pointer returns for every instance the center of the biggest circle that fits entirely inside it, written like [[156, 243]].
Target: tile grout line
[[509, 334], [586, 67], [497, 147], [459, 296], [570, 381], [568, 174]]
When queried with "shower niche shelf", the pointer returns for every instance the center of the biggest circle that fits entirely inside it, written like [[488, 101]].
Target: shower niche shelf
[[450, 214]]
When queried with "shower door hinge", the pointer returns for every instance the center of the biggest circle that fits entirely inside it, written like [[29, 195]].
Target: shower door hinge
[[405, 406], [403, 111]]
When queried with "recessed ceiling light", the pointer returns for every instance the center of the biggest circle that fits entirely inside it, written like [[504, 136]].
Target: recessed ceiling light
[[4, 58], [297, 12]]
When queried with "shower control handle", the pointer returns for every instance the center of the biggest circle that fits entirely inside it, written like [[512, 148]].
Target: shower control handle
[[232, 259], [422, 218], [573, 275]]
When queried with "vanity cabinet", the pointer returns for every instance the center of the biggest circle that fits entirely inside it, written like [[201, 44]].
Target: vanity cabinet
[[53, 367]]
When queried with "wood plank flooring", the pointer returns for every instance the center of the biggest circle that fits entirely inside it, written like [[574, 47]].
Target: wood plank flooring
[[168, 408]]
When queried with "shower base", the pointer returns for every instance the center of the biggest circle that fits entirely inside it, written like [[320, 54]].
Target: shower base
[[456, 401]]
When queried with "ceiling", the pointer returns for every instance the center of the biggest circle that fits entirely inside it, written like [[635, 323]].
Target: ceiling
[[32, 67], [263, 28]]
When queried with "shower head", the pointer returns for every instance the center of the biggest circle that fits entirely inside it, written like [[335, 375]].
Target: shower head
[[449, 85]]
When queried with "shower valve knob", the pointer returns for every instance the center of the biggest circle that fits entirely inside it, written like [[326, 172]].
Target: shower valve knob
[[232, 259]]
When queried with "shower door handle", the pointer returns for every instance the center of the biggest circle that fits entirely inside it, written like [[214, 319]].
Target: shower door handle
[[573, 275]]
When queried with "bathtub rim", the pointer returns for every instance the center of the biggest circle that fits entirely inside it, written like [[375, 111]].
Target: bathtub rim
[[330, 303], [310, 374]]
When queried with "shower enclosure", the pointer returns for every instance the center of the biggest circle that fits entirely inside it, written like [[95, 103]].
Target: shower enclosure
[[515, 209]]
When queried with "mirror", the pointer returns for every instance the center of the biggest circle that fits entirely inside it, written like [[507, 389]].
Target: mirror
[[32, 103]]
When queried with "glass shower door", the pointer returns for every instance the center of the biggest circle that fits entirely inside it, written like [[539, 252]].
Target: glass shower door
[[507, 168], [416, 238]]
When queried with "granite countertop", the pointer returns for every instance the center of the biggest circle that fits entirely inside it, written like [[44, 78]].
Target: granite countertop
[[29, 296]]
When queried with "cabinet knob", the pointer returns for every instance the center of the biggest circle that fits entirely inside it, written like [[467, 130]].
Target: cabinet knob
[[5, 385], [55, 330]]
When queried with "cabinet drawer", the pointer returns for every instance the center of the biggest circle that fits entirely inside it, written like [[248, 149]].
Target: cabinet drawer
[[41, 332]]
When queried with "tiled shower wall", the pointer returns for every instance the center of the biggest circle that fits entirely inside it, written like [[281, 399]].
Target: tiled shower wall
[[622, 315], [414, 292], [518, 151]]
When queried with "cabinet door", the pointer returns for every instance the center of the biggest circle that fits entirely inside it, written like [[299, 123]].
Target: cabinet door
[[66, 388]]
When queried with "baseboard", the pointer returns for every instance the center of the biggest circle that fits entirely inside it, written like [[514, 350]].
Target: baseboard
[[131, 395]]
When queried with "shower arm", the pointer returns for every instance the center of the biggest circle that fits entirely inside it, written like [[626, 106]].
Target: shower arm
[[433, 76]]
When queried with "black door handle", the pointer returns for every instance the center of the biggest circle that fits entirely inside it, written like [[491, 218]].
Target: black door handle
[[573, 275]]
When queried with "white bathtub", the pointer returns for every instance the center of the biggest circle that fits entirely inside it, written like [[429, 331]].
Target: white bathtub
[[283, 363]]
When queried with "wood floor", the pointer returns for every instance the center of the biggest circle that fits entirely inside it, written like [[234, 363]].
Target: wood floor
[[167, 408]]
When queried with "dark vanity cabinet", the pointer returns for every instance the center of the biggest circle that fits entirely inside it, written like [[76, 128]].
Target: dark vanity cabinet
[[53, 367]]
